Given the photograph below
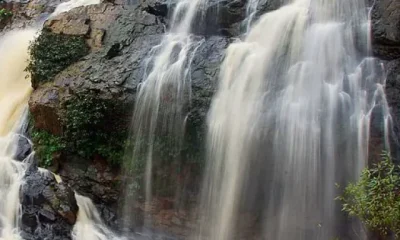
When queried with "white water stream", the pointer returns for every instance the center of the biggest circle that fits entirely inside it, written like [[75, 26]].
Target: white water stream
[[291, 118], [14, 94], [165, 90], [89, 225]]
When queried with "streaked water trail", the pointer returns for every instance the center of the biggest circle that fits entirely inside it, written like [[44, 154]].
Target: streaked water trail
[[15, 89], [89, 224], [251, 11], [163, 94], [291, 118]]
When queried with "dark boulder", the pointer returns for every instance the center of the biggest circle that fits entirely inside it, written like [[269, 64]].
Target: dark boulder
[[155, 7], [23, 148], [48, 209], [94, 179]]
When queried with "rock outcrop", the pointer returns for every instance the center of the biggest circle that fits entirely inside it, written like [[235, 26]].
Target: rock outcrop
[[49, 209]]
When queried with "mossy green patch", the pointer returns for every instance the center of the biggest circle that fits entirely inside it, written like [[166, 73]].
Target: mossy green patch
[[88, 130], [46, 145], [51, 53], [5, 14]]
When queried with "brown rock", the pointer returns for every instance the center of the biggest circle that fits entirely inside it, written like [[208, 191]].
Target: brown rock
[[90, 21], [69, 26], [43, 106]]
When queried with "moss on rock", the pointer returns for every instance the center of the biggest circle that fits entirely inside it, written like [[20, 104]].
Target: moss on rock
[[51, 53], [46, 146], [88, 130], [5, 14]]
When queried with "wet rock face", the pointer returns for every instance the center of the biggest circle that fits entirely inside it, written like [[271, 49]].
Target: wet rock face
[[95, 179], [386, 29], [393, 98], [49, 208], [23, 149], [113, 71], [386, 45], [90, 22]]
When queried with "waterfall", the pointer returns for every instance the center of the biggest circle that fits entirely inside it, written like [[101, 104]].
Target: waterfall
[[15, 89], [290, 119], [89, 225], [163, 94]]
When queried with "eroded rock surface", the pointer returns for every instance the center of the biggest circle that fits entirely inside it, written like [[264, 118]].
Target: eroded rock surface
[[49, 209], [386, 29]]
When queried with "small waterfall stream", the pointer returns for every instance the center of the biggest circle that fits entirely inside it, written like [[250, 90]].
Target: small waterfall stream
[[164, 92], [89, 225], [251, 11]]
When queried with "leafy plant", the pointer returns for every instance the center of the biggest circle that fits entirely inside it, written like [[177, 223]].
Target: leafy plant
[[51, 53], [46, 146], [88, 131], [375, 198], [4, 13]]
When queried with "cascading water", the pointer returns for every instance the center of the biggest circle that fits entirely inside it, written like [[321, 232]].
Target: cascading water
[[165, 89], [251, 11], [14, 93], [15, 88], [291, 118], [89, 224]]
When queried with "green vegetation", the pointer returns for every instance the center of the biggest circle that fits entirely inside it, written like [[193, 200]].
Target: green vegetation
[[88, 130], [5, 14], [375, 198], [46, 145], [51, 53]]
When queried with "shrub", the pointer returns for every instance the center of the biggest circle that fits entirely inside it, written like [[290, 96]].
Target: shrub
[[5, 14], [46, 146], [88, 131], [375, 198], [51, 53]]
